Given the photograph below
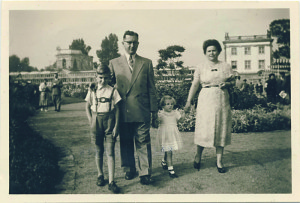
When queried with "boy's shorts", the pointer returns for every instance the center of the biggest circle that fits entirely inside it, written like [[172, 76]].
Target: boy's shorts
[[102, 127]]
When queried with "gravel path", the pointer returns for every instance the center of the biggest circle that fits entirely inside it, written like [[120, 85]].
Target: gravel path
[[257, 163]]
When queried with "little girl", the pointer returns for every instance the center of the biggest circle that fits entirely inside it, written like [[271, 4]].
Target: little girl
[[169, 138]]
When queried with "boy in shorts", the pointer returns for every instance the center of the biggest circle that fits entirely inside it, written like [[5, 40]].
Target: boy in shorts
[[103, 115]]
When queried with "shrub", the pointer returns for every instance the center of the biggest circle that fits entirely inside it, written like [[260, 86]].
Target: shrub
[[33, 161]]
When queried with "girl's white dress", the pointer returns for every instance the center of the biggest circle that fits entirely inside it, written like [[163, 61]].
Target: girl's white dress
[[169, 138]]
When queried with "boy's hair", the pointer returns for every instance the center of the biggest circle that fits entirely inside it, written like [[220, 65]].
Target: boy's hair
[[166, 97], [103, 70]]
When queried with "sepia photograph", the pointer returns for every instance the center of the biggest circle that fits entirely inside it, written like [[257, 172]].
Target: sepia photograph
[[147, 101]]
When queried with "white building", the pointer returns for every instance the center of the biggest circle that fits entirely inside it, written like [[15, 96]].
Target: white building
[[248, 54], [73, 60]]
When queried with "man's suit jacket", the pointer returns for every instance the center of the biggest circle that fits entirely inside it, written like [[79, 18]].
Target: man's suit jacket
[[137, 89], [56, 86]]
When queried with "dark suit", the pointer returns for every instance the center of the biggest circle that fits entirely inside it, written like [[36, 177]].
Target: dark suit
[[56, 93], [138, 93]]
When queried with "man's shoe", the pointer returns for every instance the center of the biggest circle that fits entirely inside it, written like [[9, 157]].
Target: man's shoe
[[146, 180], [100, 181], [113, 187], [129, 175]]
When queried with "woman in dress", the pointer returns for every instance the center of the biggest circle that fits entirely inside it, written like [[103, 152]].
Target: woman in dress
[[213, 117], [43, 96]]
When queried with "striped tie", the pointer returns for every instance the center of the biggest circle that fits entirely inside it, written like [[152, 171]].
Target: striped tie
[[131, 62]]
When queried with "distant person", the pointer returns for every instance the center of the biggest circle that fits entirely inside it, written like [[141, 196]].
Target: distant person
[[43, 96], [213, 117], [134, 79], [245, 86], [56, 92], [285, 88], [259, 88], [271, 88], [168, 135], [238, 82], [103, 115], [251, 87]]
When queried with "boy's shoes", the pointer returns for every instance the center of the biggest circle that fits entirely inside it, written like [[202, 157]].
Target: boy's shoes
[[129, 175], [172, 174], [146, 180], [164, 165], [100, 181], [113, 187]]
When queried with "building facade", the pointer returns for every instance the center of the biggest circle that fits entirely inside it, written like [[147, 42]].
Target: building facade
[[248, 54], [67, 77], [73, 60]]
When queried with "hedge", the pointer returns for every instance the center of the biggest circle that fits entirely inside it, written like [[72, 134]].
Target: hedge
[[33, 161]]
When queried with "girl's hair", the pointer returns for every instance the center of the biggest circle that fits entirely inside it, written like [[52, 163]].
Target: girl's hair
[[166, 97]]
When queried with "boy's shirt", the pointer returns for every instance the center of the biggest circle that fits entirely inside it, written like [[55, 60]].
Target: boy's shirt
[[102, 91]]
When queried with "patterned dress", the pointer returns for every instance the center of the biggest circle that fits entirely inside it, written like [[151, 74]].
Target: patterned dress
[[213, 117], [169, 138]]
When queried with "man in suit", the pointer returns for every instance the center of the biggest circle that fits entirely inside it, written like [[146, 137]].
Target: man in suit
[[134, 79], [56, 92]]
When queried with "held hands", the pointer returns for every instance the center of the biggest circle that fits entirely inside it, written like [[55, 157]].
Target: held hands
[[115, 132], [187, 107], [222, 85]]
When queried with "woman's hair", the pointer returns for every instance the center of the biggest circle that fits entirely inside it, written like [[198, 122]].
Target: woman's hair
[[166, 97], [211, 42]]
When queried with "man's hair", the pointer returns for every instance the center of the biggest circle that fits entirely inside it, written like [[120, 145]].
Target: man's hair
[[131, 33]]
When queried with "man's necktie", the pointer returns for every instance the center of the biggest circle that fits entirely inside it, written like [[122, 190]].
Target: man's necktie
[[131, 62]]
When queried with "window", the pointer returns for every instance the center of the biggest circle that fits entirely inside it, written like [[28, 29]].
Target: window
[[261, 64], [247, 65], [234, 64], [247, 51], [233, 51], [261, 49]]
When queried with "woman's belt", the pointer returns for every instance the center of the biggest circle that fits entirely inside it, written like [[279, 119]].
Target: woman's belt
[[209, 86]]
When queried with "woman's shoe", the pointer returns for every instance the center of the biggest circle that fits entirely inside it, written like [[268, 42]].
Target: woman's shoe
[[164, 165], [221, 170], [197, 165]]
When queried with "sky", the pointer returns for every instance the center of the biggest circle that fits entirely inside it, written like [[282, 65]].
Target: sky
[[37, 33]]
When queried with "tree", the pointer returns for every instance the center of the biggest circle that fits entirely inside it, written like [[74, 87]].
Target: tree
[[78, 44], [280, 29], [170, 61], [17, 65], [109, 49], [14, 63]]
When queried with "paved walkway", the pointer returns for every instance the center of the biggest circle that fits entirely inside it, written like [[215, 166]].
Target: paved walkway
[[257, 163]]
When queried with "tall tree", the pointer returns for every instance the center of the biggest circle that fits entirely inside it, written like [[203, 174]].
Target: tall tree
[[109, 49], [280, 29], [78, 44], [170, 61], [17, 65], [14, 63]]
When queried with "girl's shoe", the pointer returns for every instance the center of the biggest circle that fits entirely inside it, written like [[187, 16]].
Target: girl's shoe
[[164, 165], [197, 165], [221, 170], [172, 174]]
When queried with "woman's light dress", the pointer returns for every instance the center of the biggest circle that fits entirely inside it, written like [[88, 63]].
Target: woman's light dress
[[169, 138], [213, 117]]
